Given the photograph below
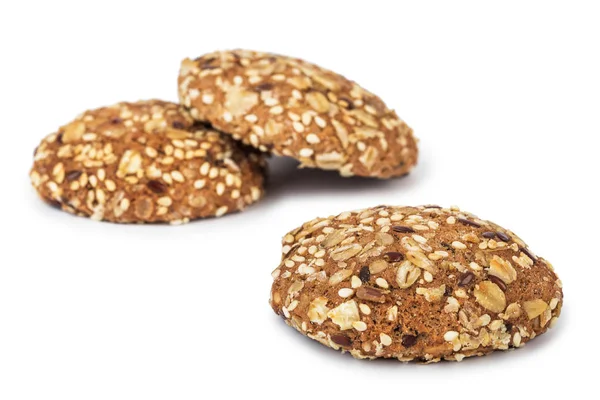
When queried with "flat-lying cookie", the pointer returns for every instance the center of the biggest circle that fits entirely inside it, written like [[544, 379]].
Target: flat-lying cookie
[[145, 162], [294, 108], [413, 283]]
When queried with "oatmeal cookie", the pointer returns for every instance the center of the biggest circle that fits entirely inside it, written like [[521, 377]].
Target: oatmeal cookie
[[290, 107], [414, 283], [145, 162]]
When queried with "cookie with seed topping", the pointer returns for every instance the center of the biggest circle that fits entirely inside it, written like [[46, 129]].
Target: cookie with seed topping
[[145, 162], [413, 283], [294, 108]]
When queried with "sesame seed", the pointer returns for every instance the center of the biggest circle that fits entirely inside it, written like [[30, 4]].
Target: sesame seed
[[382, 283], [306, 152], [345, 292], [359, 326], [385, 339], [458, 245], [276, 110], [312, 138], [365, 309], [177, 176], [164, 201]]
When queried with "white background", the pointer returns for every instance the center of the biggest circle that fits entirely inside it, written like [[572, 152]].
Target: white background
[[505, 99]]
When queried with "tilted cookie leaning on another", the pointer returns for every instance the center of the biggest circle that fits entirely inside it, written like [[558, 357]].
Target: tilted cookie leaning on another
[[413, 283], [145, 162], [290, 107]]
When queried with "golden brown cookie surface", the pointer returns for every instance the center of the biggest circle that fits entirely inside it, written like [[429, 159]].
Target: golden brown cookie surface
[[145, 162], [294, 108], [413, 283]]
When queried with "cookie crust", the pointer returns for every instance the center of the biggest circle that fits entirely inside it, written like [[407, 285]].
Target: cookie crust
[[413, 283], [290, 107], [145, 162]]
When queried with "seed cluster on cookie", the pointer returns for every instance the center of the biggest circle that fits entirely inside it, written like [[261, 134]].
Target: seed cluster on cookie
[[145, 162], [413, 283], [290, 107]]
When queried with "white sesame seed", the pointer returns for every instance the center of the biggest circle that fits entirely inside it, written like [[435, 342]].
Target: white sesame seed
[[458, 245], [293, 305], [517, 339], [359, 326], [397, 217], [312, 138], [255, 193], [167, 178], [419, 239], [208, 98], [177, 176], [385, 339], [110, 185], [474, 266], [150, 152], [204, 168], [306, 152], [276, 110], [320, 253], [124, 204], [221, 211], [382, 283], [306, 118], [164, 201], [298, 127], [365, 309], [320, 122], [427, 276], [383, 221]]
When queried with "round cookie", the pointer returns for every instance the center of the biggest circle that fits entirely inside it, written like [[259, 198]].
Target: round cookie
[[145, 162], [294, 108], [413, 283]]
